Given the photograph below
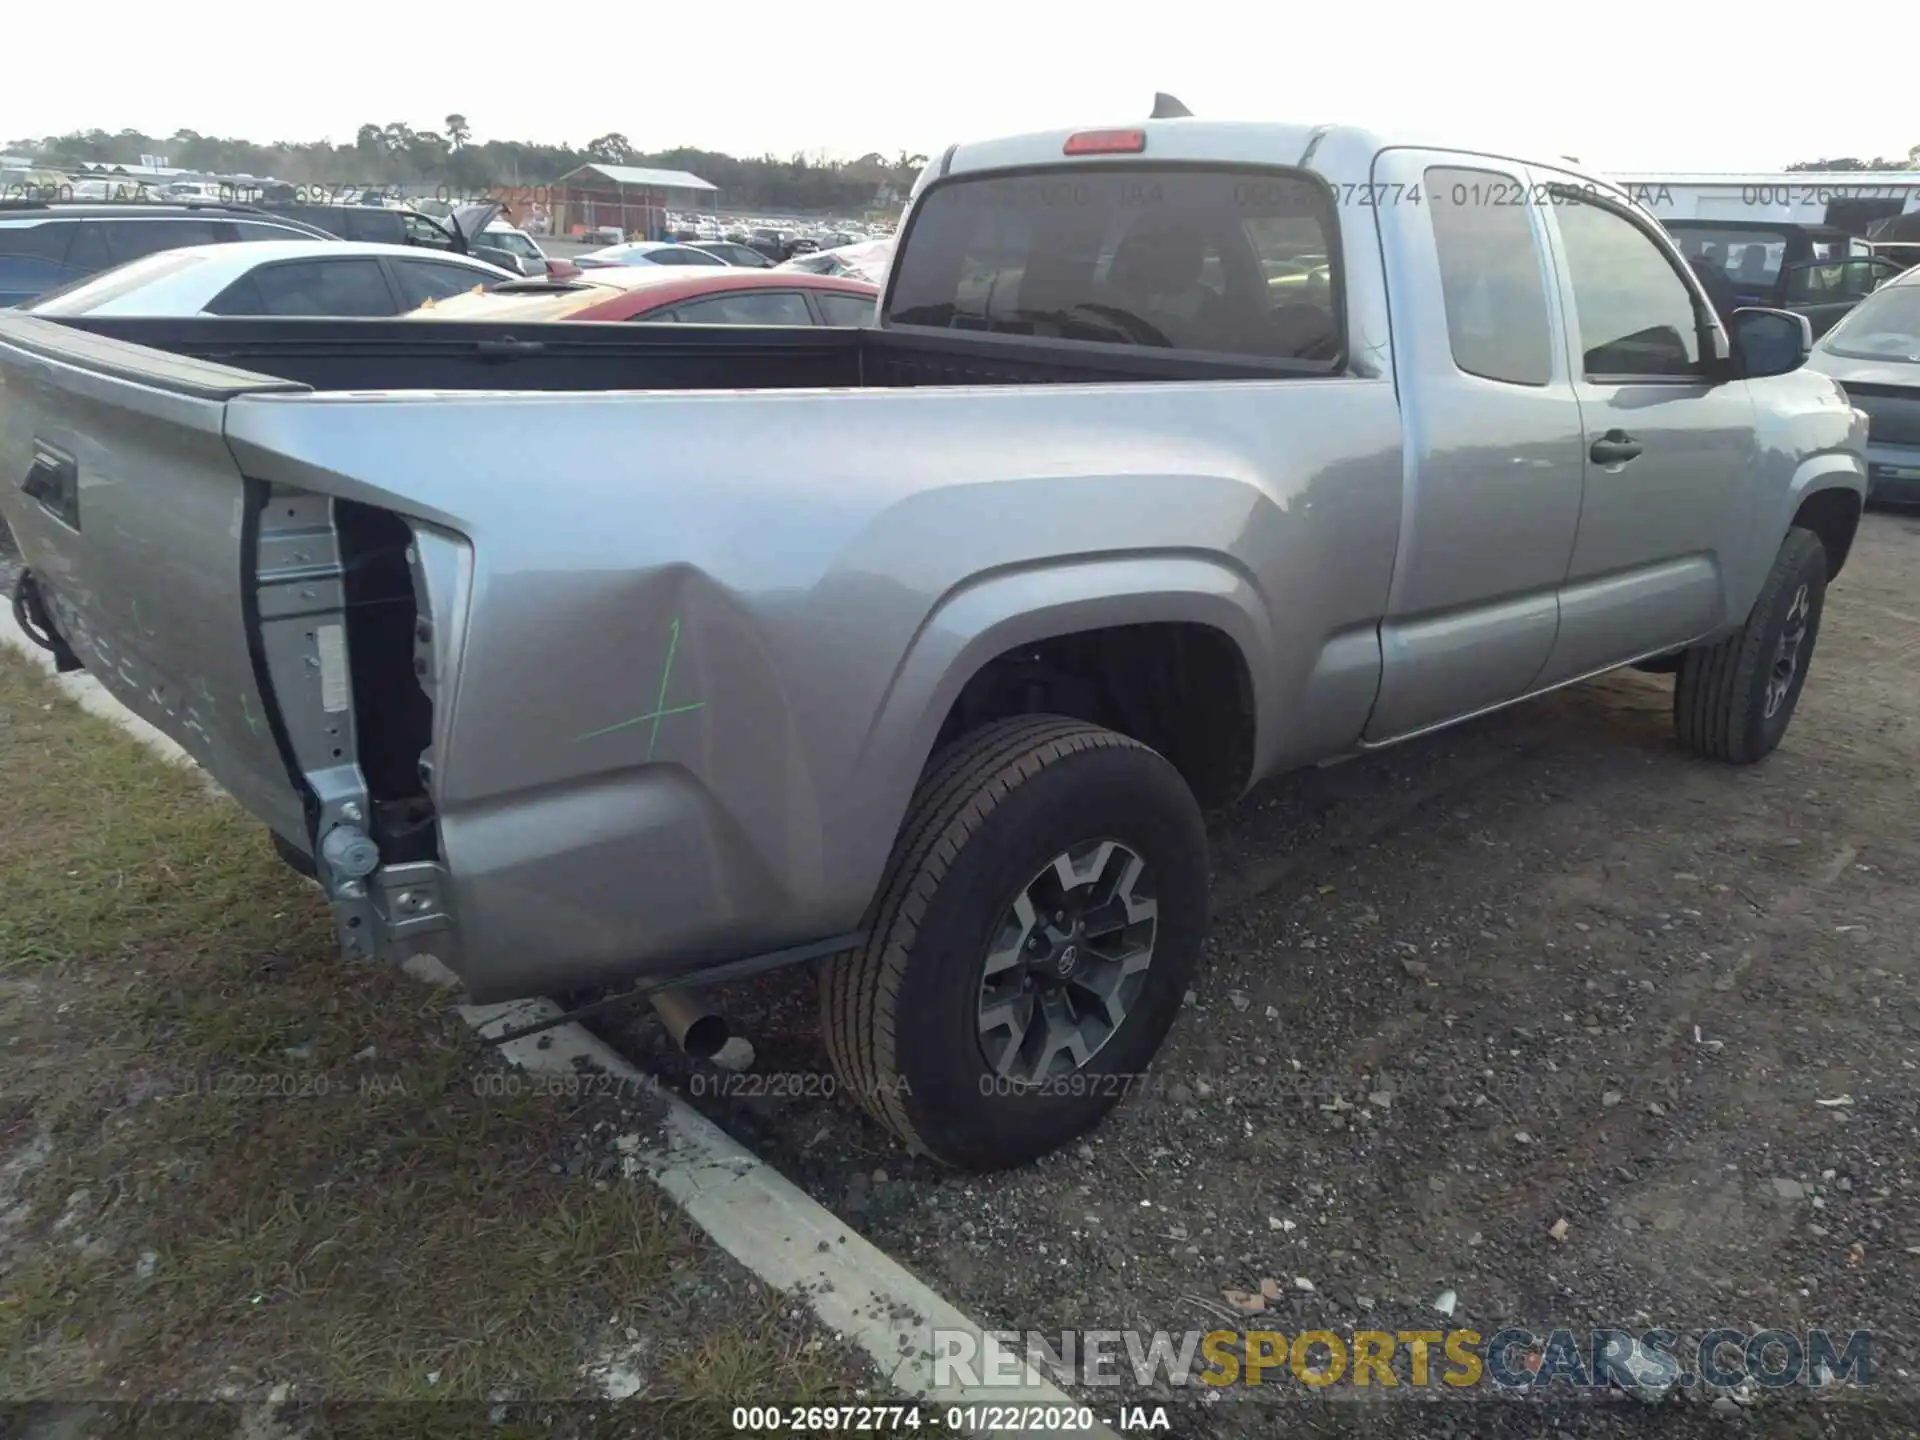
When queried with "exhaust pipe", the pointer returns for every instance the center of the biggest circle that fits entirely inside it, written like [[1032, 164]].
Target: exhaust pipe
[[695, 1029]]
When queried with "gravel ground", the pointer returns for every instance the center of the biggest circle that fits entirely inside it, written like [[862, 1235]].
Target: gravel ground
[[1541, 968]]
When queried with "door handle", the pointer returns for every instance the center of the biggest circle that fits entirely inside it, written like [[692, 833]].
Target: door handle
[[1614, 447], [54, 482]]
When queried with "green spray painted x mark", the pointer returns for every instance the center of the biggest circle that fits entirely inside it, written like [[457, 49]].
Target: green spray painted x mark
[[660, 709]]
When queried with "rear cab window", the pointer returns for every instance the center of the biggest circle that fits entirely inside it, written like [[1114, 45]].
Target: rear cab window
[[1211, 260]]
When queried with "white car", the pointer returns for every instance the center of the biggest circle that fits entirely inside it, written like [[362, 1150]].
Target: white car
[[274, 277], [646, 252], [517, 244]]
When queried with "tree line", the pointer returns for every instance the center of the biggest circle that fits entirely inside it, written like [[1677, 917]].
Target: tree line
[[1908, 161], [450, 159]]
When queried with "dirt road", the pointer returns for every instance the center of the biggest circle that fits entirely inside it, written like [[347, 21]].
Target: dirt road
[[1541, 968]]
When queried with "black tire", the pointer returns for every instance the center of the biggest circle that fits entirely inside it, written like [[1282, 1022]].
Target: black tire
[[900, 1015], [1721, 695]]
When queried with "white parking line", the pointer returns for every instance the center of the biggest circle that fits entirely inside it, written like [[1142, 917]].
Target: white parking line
[[751, 1210]]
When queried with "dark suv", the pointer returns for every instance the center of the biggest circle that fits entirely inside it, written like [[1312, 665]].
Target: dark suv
[[44, 245], [462, 230]]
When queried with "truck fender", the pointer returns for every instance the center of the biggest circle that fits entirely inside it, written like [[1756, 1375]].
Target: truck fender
[[990, 614], [1836, 484]]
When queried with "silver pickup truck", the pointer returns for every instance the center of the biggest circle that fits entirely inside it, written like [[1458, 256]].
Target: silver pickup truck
[[1185, 453]]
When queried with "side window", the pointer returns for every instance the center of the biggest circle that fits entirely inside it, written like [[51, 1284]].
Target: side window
[[31, 259], [417, 230], [762, 307], [682, 257], [377, 227], [256, 230], [848, 309], [130, 239], [88, 254], [424, 280], [310, 287], [242, 297], [1490, 276], [48, 240], [1635, 314]]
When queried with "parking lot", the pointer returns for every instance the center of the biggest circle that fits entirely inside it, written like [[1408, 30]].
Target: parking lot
[[1540, 968]]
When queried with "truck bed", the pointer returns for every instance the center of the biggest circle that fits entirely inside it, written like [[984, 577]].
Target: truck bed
[[613, 648], [583, 356]]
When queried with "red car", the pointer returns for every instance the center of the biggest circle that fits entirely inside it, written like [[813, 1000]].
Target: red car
[[716, 295]]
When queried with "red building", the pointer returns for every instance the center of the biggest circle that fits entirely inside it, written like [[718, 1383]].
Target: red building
[[634, 198]]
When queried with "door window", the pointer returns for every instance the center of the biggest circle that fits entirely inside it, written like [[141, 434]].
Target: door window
[[31, 258], [131, 239], [424, 280], [309, 287], [1490, 276], [1635, 314], [417, 230], [89, 253], [1836, 282], [681, 257], [259, 230], [848, 309], [783, 307]]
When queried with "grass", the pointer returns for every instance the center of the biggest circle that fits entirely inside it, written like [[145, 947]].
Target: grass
[[229, 1158]]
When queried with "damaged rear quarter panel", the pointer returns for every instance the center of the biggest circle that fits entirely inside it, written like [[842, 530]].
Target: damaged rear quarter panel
[[686, 696]]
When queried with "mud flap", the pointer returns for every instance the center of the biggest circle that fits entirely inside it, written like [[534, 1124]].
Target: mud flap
[[30, 614]]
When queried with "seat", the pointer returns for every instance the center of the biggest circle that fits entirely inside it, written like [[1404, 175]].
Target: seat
[[1155, 274]]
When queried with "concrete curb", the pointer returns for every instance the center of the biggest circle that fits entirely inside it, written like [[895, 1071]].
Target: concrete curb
[[748, 1208]]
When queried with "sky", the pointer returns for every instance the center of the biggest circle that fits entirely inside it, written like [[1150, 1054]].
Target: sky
[[1633, 86]]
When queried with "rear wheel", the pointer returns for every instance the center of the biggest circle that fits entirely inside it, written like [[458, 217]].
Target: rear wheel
[[1733, 700], [1031, 943]]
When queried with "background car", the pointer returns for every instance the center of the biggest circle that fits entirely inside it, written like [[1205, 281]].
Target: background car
[[865, 260], [646, 252], [1874, 352], [734, 254], [471, 229], [274, 277], [721, 295], [48, 245], [513, 243]]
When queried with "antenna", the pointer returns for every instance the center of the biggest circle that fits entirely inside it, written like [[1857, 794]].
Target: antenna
[[1165, 107]]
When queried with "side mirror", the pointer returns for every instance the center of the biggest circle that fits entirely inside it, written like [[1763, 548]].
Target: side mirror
[[1770, 342]]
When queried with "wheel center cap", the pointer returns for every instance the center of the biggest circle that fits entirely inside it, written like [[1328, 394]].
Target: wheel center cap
[[1068, 957]]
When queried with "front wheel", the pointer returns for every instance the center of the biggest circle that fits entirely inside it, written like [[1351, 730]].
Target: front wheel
[[1033, 937], [1733, 700]]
